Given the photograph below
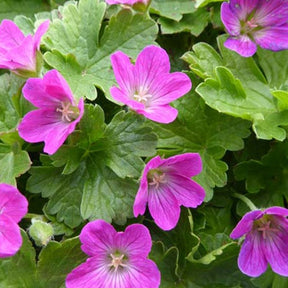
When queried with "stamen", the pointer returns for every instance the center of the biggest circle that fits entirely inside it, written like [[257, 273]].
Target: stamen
[[142, 98], [265, 229], [117, 261], [68, 112], [157, 179]]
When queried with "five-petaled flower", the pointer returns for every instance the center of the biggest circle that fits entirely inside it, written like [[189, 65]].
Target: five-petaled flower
[[252, 22], [266, 236], [57, 116], [13, 207], [17, 52], [116, 259], [165, 185], [147, 87]]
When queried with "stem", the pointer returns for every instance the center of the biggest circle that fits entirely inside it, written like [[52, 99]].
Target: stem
[[32, 215], [246, 200]]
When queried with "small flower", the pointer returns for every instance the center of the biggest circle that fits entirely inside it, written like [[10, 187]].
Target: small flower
[[266, 238], [116, 259], [254, 22], [147, 87], [165, 185], [57, 115], [13, 207], [126, 2], [17, 52]]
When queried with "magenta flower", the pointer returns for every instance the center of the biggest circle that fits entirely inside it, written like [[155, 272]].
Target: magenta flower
[[165, 185], [266, 238], [17, 52], [147, 87], [126, 2], [13, 207], [255, 22], [116, 259], [57, 115]]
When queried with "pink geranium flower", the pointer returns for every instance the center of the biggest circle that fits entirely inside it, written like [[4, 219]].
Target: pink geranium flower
[[18, 53], [147, 87], [58, 113], [126, 2], [266, 238], [116, 259], [165, 185], [255, 22], [13, 207]]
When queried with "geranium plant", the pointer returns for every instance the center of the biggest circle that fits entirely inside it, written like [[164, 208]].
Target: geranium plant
[[143, 143]]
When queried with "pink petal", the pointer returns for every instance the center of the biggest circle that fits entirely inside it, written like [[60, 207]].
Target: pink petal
[[124, 72], [12, 203], [270, 13], [230, 20], [143, 273], [251, 260], [276, 211], [10, 35], [10, 237], [97, 237], [151, 62], [242, 8], [136, 240], [186, 191], [162, 114], [141, 199], [49, 91], [168, 87], [164, 207], [242, 45], [246, 223], [272, 38], [42, 29], [22, 56], [187, 164], [121, 97]]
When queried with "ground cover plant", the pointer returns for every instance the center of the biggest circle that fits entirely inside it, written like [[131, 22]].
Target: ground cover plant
[[143, 143]]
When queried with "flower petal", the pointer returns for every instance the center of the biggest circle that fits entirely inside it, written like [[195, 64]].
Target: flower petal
[[151, 62], [272, 38], [163, 207], [141, 199], [251, 260], [10, 35], [97, 237], [136, 240], [168, 87], [186, 191], [187, 164], [10, 237], [42, 29], [124, 72], [246, 223], [12, 203], [243, 45], [276, 211], [143, 273], [242, 8], [162, 114], [230, 19]]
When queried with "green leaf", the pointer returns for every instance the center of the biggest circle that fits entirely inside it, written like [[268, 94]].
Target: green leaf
[[172, 9], [262, 177], [20, 270], [235, 85], [188, 23], [81, 47], [10, 8], [203, 130], [56, 260], [202, 3], [270, 280], [13, 163]]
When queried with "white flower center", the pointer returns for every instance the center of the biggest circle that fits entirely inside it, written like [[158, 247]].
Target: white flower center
[[157, 178], [117, 261], [142, 97], [69, 112]]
